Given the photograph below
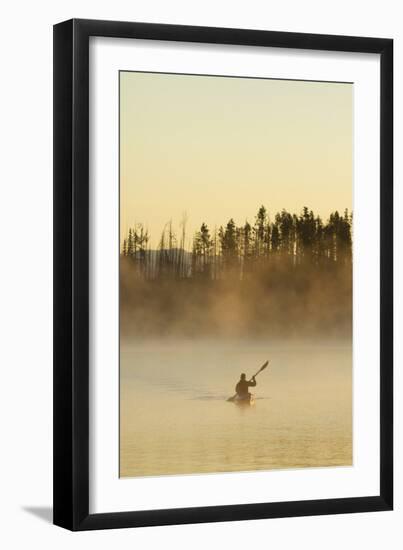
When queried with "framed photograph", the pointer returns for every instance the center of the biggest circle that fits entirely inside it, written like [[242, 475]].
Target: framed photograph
[[223, 323]]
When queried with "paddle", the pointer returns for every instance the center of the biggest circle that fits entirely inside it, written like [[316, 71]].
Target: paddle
[[260, 370]]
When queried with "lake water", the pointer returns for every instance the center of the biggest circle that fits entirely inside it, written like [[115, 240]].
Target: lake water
[[174, 418]]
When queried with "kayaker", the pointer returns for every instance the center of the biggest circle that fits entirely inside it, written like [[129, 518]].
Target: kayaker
[[242, 388]]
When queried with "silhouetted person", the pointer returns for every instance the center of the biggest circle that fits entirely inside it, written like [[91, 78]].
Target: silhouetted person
[[242, 388]]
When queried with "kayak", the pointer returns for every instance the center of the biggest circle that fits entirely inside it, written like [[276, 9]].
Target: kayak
[[248, 400]]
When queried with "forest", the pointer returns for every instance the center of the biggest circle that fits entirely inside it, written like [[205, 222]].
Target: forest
[[287, 276]]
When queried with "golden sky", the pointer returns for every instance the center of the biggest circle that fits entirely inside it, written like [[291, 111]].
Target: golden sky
[[219, 147]]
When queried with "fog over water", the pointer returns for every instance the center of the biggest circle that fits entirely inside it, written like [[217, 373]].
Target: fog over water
[[174, 418], [278, 300]]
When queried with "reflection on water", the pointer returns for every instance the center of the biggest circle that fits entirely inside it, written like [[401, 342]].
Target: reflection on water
[[174, 418]]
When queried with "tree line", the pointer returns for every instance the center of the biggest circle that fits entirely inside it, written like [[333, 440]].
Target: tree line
[[240, 251]]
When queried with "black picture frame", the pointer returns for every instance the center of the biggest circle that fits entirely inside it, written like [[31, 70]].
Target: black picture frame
[[71, 274]]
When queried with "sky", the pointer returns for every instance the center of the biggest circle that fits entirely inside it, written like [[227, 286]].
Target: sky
[[214, 148]]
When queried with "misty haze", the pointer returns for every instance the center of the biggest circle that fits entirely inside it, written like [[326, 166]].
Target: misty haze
[[235, 300]]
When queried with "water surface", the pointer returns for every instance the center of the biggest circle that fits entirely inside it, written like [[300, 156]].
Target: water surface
[[174, 418]]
